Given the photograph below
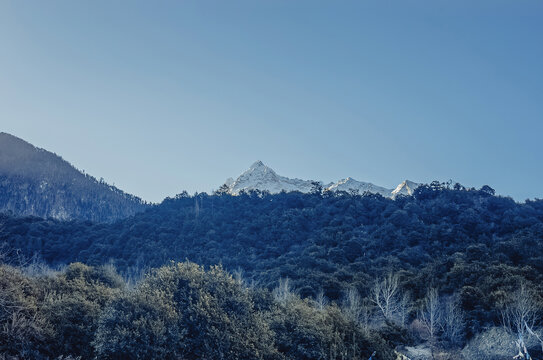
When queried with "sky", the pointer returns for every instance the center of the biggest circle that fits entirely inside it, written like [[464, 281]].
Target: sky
[[158, 97]]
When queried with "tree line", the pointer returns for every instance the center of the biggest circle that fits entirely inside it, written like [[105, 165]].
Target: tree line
[[446, 267]]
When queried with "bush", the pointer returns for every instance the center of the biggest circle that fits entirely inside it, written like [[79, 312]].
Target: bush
[[140, 323], [304, 332], [182, 311], [74, 303], [23, 330]]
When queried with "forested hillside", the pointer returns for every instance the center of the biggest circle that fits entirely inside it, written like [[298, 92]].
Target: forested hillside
[[464, 249], [37, 182]]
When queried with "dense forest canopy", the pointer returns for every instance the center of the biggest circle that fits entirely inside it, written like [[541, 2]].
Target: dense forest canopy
[[467, 250], [464, 240]]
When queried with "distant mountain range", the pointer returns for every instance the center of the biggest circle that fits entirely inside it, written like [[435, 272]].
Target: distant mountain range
[[36, 182], [262, 177]]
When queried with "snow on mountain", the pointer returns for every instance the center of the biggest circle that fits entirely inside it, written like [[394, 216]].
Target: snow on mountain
[[229, 181], [360, 186], [262, 177], [407, 188]]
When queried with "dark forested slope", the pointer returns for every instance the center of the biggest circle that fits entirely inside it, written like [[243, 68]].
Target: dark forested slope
[[37, 182], [466, 241]]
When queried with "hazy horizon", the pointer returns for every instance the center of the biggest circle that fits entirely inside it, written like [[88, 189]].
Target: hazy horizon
[[161, 98]]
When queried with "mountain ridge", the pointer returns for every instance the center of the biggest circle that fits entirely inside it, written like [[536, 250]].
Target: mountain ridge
[[34, 181], [263, 178]]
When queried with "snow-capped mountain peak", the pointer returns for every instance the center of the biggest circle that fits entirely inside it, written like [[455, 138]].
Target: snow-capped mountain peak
[[349, 184], [259, 165], [407, 187], [264, 178]]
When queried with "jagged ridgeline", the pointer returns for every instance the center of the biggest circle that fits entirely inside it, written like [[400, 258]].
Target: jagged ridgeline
[[37, 182]]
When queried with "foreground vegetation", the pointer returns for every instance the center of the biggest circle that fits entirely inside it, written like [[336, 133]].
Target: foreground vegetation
[[179, 311]]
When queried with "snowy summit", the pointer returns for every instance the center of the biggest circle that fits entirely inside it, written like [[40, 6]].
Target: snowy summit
[[264, 178]]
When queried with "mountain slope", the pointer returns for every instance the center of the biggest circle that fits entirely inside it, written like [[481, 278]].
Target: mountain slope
[[37, 182]]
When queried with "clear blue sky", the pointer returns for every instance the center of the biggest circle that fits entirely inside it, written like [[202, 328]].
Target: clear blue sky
[[162, 96]]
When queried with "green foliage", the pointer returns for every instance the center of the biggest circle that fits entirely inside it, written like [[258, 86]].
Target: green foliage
[[304, 332], [458, 238], [140, 324], [73, 305], [179, 311], [216, 312], [462, 241], [23, 330]]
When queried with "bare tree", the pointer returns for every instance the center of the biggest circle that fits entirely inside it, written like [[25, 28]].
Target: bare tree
[[385, 294], [520, 316], [238, 276], [539, 337], [321, 301], [453, 320], [430, 315], [393, 305], [366, 315], [352, 305], [284, 291], [404, 309]]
